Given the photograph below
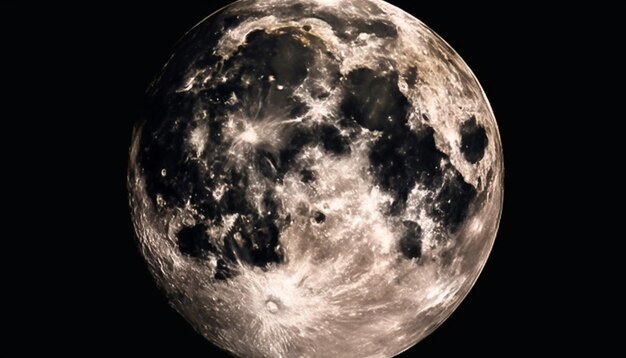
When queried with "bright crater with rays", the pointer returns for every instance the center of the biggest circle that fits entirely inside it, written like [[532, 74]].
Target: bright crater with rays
[[315, 179]]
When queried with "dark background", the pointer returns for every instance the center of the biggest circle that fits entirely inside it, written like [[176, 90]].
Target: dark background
[[112, 53]]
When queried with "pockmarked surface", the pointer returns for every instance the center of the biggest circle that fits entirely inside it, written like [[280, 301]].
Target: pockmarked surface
[[315, 178]]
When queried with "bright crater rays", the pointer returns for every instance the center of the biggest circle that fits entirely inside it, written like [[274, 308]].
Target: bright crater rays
[[315, 179]]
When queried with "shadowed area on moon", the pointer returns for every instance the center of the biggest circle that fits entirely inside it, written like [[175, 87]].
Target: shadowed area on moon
[[400, 158], [473, 140], [290, 160]]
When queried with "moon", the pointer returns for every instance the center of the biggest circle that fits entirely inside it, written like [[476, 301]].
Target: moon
[[315, 178]]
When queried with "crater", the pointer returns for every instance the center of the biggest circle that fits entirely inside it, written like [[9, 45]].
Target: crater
[[319, 217], [272, 306], [307, 175]]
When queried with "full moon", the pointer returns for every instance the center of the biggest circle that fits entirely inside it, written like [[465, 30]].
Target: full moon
[[315, 178]]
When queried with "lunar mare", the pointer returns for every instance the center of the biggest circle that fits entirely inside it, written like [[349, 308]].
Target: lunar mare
[[315, 178]]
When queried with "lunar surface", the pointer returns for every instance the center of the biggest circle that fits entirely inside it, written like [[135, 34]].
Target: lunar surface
[[315, 178]]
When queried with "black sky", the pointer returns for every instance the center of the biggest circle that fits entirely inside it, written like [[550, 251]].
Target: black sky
[[118, 306]]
